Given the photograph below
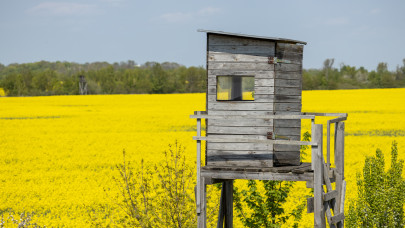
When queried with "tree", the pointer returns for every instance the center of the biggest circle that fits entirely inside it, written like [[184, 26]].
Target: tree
[[327, 67], [381, 194], [265, 206], [158, 196]]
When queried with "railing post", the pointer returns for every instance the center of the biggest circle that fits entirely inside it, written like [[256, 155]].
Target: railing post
[[328, 145], [318, 166], [339, 163], [201, 191]]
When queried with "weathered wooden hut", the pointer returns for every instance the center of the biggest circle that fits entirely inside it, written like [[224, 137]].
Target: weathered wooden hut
[[253, 76], [253, 125]]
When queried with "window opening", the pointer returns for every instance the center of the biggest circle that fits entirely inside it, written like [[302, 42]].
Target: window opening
[[235, 88]]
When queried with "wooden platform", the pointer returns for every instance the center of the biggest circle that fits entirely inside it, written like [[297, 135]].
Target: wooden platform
[[302, 172]]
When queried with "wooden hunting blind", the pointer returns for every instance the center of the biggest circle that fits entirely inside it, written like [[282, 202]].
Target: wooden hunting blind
[[254, 76], [253, 125]]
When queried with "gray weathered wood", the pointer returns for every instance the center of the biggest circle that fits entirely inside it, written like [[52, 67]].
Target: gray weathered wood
[[325, 114], [222, 206], [304, 167], [291, 56], [287, 158], [229, 57], [289, 47], [287, 123], [253, 115], [198, 166], [221, 40], [241, 123], [229, 106], [330, 195], [287, 147], [337, 218], [202, 216], [258, 140], [239, 130], [233, 138], [232, 175], [288, 75], [238, 146], [264, 90], [288, 68], [287, 98], [310, 204], [328, 214], [232, 114], [339, 160], [212, 73], [287, 91], [289, 132], [343, 196], [244, 163], [328, 144], [317, 162], [229, 203], [247, 50], [294, 83], [245, 66], [294, 107]]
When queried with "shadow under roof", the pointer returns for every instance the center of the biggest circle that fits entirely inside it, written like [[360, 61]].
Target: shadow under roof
[[252, 36]]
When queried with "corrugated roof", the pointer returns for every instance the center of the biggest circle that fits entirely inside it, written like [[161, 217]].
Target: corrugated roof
[[252, 36]]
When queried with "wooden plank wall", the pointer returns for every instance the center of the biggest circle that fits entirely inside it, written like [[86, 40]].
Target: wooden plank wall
[[287, 93], [228, 55]]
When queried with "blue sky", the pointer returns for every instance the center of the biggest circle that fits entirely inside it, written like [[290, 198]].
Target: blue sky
[[356, 33]]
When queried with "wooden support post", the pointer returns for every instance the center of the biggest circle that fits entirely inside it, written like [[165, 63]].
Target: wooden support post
[[198, 198], [229, 204], [201, 186], [226, 205], [221, 213], [318, 165], [202, 216], [328, 144], [339, 163]]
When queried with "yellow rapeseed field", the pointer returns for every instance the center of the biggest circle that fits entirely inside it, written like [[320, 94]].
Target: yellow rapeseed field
[[58, 154]]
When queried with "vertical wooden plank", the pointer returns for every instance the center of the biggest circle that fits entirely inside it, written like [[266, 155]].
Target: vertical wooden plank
[[342, 203], [328, 144], [198, 166], [221, 212], [317, 160], [339, 161], [202, 216], [229, 204]]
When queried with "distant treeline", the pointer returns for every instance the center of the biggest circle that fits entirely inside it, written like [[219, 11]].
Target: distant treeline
[[62, 78]]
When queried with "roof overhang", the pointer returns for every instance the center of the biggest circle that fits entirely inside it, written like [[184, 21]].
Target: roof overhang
[[252, 36]]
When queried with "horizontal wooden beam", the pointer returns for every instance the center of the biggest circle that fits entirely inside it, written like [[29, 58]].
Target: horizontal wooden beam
[[337, 218], [280, 117], [337, 120], [330, 195], [325, 114], [264, 141], [232, 175]]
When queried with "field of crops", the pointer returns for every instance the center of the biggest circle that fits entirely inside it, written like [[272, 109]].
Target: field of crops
[[58, 154]]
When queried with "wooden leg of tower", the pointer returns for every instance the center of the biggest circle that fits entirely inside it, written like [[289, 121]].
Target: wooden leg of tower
[[202, 216], [221, 213], [317, 162], [339, 162], [229, 203]]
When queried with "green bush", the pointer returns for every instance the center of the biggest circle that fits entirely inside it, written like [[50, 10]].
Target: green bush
[[381, 194]]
